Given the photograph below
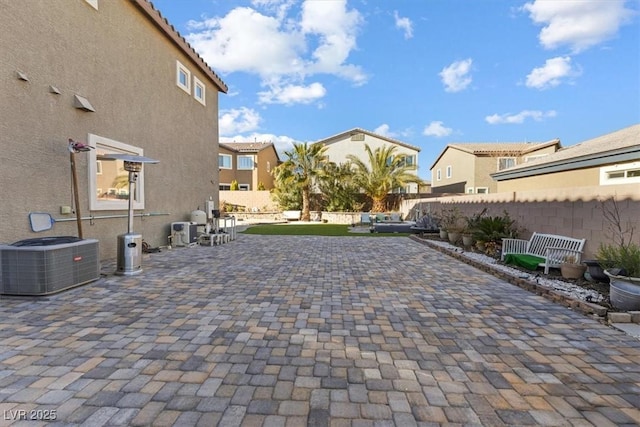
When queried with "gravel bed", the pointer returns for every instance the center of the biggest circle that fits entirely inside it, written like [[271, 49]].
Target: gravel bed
[[566, 288]]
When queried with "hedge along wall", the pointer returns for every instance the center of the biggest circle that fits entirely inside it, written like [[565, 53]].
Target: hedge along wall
[[575, 212]]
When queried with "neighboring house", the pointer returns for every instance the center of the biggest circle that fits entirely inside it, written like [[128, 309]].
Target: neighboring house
[[117, 76], [609, 159], [467, 167], [248, 163], [353, 142]]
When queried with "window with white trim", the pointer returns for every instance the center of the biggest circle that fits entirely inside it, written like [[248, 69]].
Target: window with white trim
[[225, 187], [470, 190], [183, 77], [245, 162], [243, 187], [506, 162], [628, 173], [438, 175], [449, 171], [199, 91], [93, 3], [224, 161], [482, 190], [110, 174]]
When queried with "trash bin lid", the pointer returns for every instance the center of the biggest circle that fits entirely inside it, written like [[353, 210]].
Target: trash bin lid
[[47, 241]]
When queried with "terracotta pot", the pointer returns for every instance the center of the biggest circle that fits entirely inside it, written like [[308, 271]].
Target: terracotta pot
[[572, 271]]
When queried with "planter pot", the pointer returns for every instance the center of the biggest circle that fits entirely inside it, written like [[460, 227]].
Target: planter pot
[[595, 271], [572, 271], [467, 240], [454, 236], [444, 234], [624, 292]]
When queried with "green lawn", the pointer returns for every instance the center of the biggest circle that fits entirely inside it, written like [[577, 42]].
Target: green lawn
[[312, 230]]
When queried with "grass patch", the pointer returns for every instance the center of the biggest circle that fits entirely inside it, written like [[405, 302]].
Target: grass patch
[[311, 230]]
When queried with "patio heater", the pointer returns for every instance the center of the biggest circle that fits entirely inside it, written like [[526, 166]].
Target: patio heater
[[130, 244]]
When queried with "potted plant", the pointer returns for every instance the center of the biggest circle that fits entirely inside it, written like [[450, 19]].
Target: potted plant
[[448, 220], [620, 259], [472, 225], [622, 265], [492, 229], [571, 269]]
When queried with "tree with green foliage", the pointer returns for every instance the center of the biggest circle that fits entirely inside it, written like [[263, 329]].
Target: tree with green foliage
[[385, 172], [303, 165], [339, 192]]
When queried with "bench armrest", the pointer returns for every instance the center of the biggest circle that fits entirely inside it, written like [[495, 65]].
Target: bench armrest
[[513, 246]]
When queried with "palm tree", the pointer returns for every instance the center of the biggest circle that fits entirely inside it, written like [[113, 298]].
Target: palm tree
[[385, 173], [304, 163]]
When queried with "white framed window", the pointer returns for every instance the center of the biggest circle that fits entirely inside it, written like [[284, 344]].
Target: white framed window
[[224, 187], [199, 91], [482, 190], [93, 3], [449, 172], [112, 176], [470, 190], [224, 161], [438, 175], [183, 77], [506, 162], [243, 187], [628, 173], [245, 162]]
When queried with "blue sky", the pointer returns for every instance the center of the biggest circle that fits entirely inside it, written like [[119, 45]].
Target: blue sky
[[425, 72]]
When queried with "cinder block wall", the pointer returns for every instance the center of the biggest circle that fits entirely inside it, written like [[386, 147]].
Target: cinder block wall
[[252, 200], [575, 212]]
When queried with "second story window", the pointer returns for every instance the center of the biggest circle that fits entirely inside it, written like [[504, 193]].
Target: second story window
[[506, 162], [224, 161], [449, 172], [438, 175], [245, 162], [183, 77], [199, 91]]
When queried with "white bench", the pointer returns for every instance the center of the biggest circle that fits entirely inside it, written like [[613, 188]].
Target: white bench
[[552, 248], [291, 215]]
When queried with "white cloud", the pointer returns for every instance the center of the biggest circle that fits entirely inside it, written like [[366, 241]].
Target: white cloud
[[404, 24], [238, 120], [292, 94], [579, 24], [456, 77], [551, 73], [384, 130], [282, 143], [278, 44], [508, 118], [437, 128]]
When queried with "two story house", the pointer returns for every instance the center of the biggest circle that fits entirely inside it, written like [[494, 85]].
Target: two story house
[[353, 142], [116, 76], [607, 160], [467, 167], [248, 163]]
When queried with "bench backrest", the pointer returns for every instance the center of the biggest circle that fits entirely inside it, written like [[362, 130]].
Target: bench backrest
[[539, 243]]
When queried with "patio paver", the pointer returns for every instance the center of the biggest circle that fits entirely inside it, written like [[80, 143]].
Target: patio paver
[[322, 331]]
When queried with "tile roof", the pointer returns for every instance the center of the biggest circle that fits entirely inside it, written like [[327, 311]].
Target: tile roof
[[360, 130], [493, 148], [612, 147], [163, 24], [247, 147]]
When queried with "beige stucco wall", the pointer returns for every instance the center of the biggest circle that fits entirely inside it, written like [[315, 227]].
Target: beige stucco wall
[[267, 161], [126, 68], [462, 169], [338, 150]]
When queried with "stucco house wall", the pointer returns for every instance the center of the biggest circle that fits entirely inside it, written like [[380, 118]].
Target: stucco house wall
[[129, 77], [353, 142]]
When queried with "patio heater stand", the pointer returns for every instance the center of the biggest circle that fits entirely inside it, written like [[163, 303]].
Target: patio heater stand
[[130, 244]]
